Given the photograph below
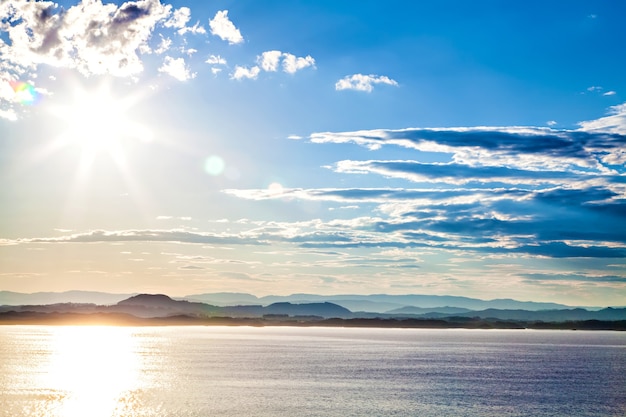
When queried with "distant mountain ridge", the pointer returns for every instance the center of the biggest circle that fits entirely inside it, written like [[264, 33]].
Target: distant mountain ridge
[[438, 310], [375, 303], [381, 303], [148, 306], [608, 314], [160, 305]]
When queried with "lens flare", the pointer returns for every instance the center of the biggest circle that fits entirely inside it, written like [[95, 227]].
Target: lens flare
[[25, 93], [214, 165]]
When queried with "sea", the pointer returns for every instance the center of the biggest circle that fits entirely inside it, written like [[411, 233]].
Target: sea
[[92, 371]]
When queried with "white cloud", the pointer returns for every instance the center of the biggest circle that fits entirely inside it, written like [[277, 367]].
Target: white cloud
[[8, 114], [173, 235], [615, 122], [215, 60], [551, 123], [291, 63], [457, 174], [525, 148], [179, 18], [179, 21], [91, 37], [177, 68], [598, 89], [244, 72], [195, 29], [165, 44], [362, 82], [221, 26], [6, 91], [270, 60]]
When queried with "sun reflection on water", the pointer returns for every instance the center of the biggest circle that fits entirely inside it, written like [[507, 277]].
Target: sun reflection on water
[[94, 369]]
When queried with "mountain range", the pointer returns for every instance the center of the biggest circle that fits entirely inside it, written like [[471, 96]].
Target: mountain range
[[308, 307], [375, 303]]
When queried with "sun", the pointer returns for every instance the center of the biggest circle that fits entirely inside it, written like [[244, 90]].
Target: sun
[[101, 132], [98, 122]]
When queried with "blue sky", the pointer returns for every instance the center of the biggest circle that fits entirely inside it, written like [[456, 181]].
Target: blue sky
[[459, 148]]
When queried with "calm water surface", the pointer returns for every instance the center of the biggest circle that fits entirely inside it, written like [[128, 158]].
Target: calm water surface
[[48, 371]]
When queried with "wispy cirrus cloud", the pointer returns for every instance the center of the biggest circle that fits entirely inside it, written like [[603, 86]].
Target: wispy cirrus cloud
[[451, 173], [573, 276], [180, 236], [596, 89], [379, 195], [534, 148], [615, 123]]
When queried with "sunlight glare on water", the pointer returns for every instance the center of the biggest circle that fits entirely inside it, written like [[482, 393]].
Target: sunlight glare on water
[[92, 368]]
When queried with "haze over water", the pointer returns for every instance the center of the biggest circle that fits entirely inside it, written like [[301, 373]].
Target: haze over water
[[242, 371]]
